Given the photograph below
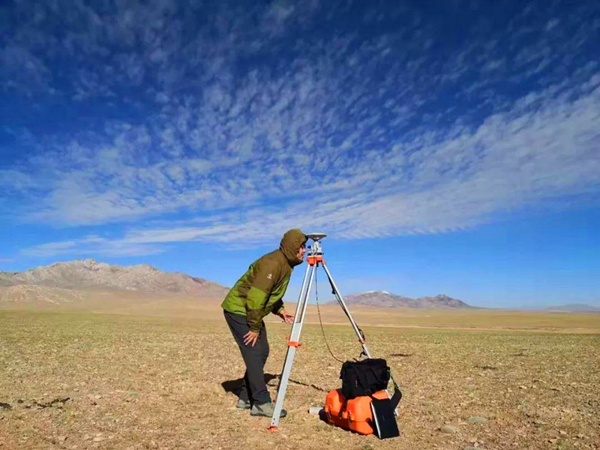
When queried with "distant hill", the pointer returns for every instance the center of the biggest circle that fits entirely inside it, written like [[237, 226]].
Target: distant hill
[[384, 299], [63, 282], [575, 307], [32, 294]]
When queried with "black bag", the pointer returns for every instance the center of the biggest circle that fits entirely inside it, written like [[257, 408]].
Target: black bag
[[364, 377]]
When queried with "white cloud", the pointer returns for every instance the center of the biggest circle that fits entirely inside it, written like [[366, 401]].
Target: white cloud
[[385, 137], [457, 180], [92, 245]]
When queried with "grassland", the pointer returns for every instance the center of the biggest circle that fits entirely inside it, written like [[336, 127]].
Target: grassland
[[137, 382]]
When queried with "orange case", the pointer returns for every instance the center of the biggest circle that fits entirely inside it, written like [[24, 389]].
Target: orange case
[[354, 414]]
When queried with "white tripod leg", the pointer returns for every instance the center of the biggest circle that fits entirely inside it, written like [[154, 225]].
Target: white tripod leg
[[293, 344], [340, 300]]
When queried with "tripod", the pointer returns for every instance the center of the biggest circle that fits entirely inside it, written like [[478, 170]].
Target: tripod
[[314, 259]]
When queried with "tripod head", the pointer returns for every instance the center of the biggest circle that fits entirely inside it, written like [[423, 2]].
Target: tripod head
[[316, 236], [315, 249]]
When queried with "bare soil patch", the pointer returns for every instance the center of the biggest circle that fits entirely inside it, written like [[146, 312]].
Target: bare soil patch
[[83, 380]]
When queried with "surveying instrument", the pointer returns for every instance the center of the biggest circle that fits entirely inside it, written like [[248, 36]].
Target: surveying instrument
[[314, 259]]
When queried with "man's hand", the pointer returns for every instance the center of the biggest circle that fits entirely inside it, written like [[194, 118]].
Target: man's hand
[[250, 338], [287, 317]]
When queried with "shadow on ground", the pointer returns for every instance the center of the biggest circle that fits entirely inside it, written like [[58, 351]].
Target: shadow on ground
[[235, 386]]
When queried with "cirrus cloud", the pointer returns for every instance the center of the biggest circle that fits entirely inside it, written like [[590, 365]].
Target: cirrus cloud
[[246, 124]]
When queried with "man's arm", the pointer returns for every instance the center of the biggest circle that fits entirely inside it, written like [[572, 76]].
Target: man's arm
[[277, 297], [276, 301]]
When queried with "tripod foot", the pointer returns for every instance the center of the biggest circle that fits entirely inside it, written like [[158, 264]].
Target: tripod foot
[[273, 429]]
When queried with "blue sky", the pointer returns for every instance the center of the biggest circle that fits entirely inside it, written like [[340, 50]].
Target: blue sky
[[444, 146]]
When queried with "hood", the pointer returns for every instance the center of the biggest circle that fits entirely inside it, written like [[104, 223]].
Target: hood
[[291, 243]]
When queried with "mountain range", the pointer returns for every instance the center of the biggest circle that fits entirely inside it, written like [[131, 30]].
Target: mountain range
[[575, 307], [384, 299], [72, 282], [67, 282], [81, 282]]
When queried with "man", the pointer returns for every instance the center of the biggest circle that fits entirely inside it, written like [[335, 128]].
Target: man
[[256, 294]]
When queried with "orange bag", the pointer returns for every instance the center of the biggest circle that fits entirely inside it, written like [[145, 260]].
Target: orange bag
[[354, 414]]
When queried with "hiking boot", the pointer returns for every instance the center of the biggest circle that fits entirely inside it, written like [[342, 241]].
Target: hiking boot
[[265, 409], [243, 404]]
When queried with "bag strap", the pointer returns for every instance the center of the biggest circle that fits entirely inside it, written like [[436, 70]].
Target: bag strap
[[395, 399], [397, 394]]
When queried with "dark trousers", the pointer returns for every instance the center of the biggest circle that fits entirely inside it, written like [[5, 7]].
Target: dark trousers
[[254, 388]]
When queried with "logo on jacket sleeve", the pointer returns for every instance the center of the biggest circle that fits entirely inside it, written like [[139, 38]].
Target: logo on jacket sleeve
[[270, 276]]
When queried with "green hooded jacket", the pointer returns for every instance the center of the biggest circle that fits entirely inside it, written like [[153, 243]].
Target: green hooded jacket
[[260, 290]]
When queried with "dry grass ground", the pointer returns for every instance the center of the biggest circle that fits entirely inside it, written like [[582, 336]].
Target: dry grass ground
[[137, 382]]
